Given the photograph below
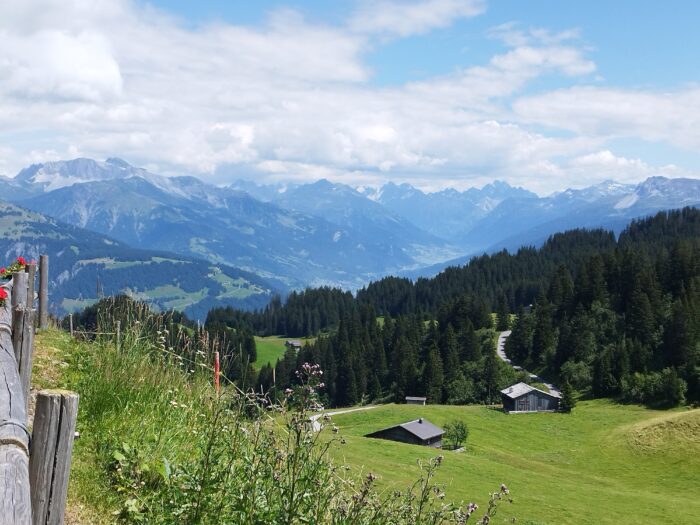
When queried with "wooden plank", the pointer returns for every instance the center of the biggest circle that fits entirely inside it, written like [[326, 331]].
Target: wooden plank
[[31, 272], [51, 452], [19, 289], [43, 291], [15, 502], [23, 342]]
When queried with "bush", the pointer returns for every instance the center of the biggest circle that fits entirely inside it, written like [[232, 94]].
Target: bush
[[456, 432]]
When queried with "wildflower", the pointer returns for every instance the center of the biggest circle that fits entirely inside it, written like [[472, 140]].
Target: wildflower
[[22, 261], [504, 489]]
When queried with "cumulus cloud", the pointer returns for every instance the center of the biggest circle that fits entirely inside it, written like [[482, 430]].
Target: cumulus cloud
[[672, 117], [392, 18], [289, 99]]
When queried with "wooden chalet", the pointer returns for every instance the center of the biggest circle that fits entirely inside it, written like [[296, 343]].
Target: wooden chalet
[[414, 400], [294, 344], [416, 432], [521, 397]]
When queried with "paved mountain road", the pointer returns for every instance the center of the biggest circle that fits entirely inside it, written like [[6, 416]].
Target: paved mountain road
[[500, 350]]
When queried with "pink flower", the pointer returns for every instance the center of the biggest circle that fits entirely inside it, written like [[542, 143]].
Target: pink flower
[[22, 261]]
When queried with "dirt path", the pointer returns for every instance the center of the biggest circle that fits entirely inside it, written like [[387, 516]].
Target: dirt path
[[318, 426], [500, 350]]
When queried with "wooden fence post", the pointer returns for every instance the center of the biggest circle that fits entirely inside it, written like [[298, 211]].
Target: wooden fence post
[[51, 452], [19, 289], [15, 502], [22, 331], [31, 272], [70, 321], [23, 342], [119, 334], [43, 291]]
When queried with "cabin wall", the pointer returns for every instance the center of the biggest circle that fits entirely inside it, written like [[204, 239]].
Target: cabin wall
[[531, 402]]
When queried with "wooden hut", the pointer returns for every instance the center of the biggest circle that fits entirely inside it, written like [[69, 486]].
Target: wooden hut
[[522, 397], [414, 400], [416, 432], [293, 344]]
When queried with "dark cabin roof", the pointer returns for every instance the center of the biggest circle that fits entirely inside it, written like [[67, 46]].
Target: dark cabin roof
[[520, 389], [421, 428]]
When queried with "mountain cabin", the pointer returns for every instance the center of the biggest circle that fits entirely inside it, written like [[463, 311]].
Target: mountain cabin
[[522, 397], [416, 432]]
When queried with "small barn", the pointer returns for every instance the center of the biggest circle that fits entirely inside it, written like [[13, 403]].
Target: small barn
[[416, 432], [413, 400], [522, 397], [293, 344]]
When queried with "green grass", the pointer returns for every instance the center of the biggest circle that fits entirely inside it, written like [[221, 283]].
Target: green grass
[[603, 464], [237, 288], [272, 348]]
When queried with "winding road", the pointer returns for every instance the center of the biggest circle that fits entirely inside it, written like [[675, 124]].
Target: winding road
[[317, 426], [500, 350]]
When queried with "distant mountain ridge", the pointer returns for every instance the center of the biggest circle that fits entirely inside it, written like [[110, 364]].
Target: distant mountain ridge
[[326, 233], [188, 216], [84, 265]]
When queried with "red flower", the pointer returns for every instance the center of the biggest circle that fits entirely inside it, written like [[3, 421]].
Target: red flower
[[3, 294], [3, 269], [22, 261]]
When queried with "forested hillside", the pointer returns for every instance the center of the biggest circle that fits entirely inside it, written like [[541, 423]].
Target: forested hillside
[[611, 317]]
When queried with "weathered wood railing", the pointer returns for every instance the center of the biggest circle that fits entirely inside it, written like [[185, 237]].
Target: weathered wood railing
[[33, 472]]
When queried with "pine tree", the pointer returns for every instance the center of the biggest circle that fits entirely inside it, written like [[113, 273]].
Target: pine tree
[[433, 377], [568, 401], [503, 314], [450, 353]]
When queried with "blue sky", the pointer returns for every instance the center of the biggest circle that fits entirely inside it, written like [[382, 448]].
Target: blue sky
[[543, 94]]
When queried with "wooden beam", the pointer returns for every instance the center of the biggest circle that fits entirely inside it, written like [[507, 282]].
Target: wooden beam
[[43, 291], [23, 342], [15, 502], [51, 453], [31, 272]]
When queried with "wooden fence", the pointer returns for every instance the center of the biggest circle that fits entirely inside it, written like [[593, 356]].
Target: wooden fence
[[34, 466]]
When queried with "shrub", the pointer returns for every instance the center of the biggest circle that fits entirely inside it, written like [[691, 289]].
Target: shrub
[[456, 432]]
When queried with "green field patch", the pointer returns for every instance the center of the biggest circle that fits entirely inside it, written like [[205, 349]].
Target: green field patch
[[169, 296], [271, 348], [73, 305], [574, 468], [237, 288]]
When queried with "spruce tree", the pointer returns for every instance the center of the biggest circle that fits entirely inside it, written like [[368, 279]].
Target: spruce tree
[[502, 315], [568, 401], [433, 376]]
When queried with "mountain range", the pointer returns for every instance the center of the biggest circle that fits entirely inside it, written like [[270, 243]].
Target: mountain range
[[84, 265], [322, 233]]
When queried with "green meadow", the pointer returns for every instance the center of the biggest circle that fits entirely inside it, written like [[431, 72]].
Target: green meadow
[[272, 348], [603, 464]]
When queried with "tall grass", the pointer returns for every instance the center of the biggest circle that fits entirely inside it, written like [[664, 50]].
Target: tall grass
[[172, 450]]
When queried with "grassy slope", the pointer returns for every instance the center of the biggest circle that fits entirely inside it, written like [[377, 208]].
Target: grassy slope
[[605, 463], [88, 496]]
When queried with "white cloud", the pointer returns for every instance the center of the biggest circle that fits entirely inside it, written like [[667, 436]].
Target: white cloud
[[395, 18], [605, 165], [671, 117], [293, 100]]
